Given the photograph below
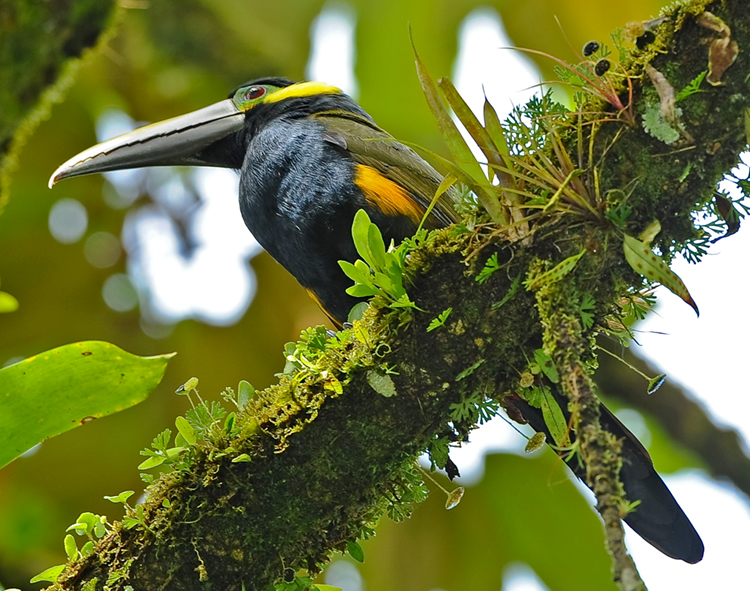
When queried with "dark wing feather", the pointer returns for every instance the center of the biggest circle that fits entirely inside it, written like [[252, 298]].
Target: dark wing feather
[[371, 146], [658, 518]]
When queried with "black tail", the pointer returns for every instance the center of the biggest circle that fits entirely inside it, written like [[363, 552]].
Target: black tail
[[658, 518]]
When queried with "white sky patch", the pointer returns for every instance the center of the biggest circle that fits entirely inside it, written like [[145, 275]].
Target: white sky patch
[[333, 50], [67, 221], [344, 575], [722, 518], [215, 284], [706, 354], [518, 576], [484, 65], [110, 124]]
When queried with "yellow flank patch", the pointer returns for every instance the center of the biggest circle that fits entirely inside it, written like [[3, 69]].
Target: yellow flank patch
[[301, 89], [387, 196]]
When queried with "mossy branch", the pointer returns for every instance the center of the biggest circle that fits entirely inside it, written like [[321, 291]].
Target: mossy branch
[[42, 44], [325, 462]]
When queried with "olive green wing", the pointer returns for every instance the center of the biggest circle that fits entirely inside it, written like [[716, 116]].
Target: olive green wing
[[371, 146]]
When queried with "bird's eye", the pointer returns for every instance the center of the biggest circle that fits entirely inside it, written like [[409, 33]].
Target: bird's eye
[[254, 92]]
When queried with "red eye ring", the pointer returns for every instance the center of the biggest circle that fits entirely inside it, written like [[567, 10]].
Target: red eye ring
[[254, 92]]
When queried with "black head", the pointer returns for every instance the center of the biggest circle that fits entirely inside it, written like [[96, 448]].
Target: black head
[[213, 136]]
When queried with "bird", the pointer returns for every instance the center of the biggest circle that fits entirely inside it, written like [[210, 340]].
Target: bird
[[309, 159]]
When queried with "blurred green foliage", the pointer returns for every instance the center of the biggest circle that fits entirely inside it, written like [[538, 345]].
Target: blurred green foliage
[[167, 58]]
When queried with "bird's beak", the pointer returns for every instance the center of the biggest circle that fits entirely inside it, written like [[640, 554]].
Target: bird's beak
[[172, 142]]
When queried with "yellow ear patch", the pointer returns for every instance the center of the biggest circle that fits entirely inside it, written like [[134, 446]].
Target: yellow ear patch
[[301, 89], [387, 196]]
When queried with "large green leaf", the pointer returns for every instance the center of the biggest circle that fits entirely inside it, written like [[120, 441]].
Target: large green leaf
[[60, 389]]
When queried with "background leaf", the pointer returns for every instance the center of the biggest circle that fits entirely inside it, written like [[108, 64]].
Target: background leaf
[[61, 389]]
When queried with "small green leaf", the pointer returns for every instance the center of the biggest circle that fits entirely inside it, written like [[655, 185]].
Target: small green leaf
[[387, 284], [685, 172], [50, 575], [489, 268], [381, 383], [229, 423], [185, 429], [454, 497], [100, 527], [361, 236], [546, 365], [7, 302], [84, 524], [511, 292], [554, 419], [87, 548], [469, 370], [71, 549], [355, 273], [556, 273], [440, 320], [362, 291], [246, 393], [357, 312], [536, 441], [121, 498], [242, 458], [377, 246], [644, 262], [691, 88], [152, 462], [355, 551], [173, 452]]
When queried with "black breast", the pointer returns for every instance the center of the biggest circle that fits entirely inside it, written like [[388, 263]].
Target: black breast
[[298, 198]]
